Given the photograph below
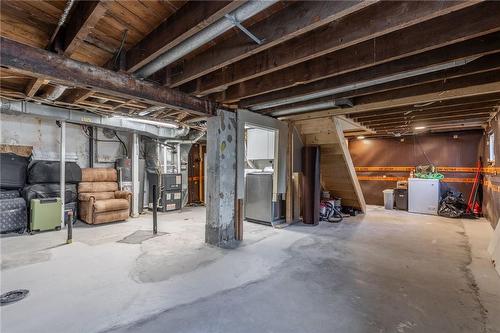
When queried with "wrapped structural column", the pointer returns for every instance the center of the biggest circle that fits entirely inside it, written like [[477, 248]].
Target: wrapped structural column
[[221, 181]]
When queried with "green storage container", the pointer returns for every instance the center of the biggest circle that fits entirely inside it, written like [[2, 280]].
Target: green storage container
[[45, 214]]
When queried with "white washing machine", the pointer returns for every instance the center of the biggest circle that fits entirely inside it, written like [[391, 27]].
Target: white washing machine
[[423, 196]]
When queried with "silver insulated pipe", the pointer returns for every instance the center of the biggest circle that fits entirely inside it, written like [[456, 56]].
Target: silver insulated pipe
[[54, 92], [308, 108], [209, 33]]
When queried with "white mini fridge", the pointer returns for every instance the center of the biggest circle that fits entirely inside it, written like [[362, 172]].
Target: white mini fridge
[[423, 196]]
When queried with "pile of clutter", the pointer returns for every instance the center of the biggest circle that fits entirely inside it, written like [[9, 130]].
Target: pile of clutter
[[22, 181], [331, 209]]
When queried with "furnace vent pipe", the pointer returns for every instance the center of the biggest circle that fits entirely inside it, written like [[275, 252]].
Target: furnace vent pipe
[[89, 119], [362, 84]]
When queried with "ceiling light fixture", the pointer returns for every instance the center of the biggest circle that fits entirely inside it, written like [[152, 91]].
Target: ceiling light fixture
[[420, 127], [361, 137]]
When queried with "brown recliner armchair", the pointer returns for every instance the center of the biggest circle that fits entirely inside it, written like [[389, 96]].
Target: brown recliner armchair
[[100, 201]]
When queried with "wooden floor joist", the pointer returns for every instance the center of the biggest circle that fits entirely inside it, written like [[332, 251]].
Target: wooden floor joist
[[383, 64], [480, 84], [469, 49], [368, 23], [190, 19], [292, 21], [475, 22]]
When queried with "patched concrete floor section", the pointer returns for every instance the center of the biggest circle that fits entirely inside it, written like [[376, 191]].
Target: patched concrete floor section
[[382, 272]]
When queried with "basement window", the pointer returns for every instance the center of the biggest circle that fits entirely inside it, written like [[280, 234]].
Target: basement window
[[491, 148]]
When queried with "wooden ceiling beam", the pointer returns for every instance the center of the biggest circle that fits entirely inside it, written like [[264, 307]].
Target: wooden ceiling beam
[[84, 17], [462, 50], [33, 86], [76, 95], [446, 115], [359, 27], [474, 22], [298, 18], [472, 85], [188, 20], [431, 123], [377, 116], [483, 100], [486, 64], [36, 62]]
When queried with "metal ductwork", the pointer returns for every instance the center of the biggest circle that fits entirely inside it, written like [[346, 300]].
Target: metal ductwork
[[192, 138], [54, 92], [363, 84], [196, 120], [336, 103], [214, 30], [62, 20], [85, 118], [152, 109]]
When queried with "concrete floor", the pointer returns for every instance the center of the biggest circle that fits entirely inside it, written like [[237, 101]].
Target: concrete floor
[[382, 272]]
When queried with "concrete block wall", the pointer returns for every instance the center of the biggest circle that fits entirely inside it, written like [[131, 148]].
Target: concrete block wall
[[44, 136]]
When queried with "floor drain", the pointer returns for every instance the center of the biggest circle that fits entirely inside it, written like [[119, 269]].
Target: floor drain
[[140, 236], [13, 296]]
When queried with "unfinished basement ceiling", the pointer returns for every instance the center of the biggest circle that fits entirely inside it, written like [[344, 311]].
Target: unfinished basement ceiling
[[398, 64]]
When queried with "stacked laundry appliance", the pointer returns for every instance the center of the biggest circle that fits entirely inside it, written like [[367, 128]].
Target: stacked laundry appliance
[[44, 183], [13, 213]]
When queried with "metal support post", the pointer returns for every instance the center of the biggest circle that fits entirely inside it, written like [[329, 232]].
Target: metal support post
[[178, 158], [135, 175], [62, 174], [155, 210], [91, 147], [70, 227]]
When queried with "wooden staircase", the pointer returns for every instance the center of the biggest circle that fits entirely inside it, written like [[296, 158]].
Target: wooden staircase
[[337, 170]]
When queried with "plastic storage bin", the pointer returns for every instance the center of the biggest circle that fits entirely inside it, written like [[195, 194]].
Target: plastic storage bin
[[388, 199]]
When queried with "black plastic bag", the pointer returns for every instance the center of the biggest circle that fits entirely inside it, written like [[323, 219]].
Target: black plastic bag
[[43, 191], [452, 205], [12, 171], [48, 172]]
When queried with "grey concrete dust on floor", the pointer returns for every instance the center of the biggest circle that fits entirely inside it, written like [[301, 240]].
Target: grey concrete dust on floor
[[391, 272], [386, 271]]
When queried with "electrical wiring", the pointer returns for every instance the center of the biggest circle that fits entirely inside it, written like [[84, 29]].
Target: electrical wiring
[[87, 134], [417, 143], [123, 144]]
